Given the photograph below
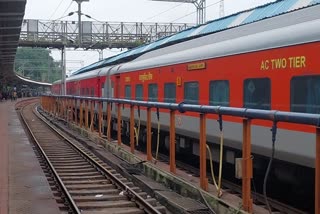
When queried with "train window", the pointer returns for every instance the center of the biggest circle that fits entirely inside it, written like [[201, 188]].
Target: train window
[[305, 94], [92, 92], [191, 92], [139, 92], [153, 92], [170, 92], [219, 93], [257, 93], [127, 91], [87, 92]]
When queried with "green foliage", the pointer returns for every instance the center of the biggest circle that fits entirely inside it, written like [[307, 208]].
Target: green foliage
[[37, 64]]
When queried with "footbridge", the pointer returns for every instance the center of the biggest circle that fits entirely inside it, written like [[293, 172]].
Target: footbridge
[[93, 35]]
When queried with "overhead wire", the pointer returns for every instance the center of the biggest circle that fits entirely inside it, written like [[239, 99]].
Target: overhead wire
[[163, 12], [67, 8], [63, 16], [210, 5], [90, 17], [56, 9]]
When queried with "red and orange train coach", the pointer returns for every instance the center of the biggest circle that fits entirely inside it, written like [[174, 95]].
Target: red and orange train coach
[[272, 64]]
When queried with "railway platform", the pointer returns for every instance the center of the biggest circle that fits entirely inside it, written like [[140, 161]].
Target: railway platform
[[23, 185]]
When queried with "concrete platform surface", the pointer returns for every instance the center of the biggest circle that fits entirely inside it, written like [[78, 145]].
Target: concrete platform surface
[[23, 186]]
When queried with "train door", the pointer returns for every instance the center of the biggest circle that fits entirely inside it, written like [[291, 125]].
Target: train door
[[78, 88], [117, 86], [99, 88], [115, 89]]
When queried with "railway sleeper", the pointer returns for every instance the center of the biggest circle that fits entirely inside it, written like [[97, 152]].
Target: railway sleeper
[[79, 174], [94, 192], [78, 182], [102, 198], [105, 204]]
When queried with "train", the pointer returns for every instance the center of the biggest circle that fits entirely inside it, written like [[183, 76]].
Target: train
[[272, 64]]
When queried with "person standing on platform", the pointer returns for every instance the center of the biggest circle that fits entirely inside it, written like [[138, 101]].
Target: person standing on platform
[[14, 95]]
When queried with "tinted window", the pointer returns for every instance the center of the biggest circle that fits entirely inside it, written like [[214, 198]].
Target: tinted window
[[257, 93], [139, 92], [92, 92], [219, 93], [87, 92], [305, 94], [170, 92], [153, 92], [191, 92], [127, 92]]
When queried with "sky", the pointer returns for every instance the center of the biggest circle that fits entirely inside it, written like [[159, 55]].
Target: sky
[[126, 11]]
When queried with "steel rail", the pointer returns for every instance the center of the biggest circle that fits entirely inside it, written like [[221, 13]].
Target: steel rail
[[131, 193], [72, 204], [279, 206]]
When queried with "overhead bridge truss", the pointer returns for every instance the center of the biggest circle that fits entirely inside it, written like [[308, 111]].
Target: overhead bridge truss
[[95, 35]]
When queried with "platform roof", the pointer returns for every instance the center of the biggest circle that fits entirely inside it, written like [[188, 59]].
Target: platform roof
[[11, 16], [269, 10], [32, 81]]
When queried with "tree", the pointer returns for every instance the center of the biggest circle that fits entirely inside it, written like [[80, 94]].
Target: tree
[[37, 64]]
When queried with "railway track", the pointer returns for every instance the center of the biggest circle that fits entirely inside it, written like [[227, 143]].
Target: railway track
[[83, 183], [227, 186]]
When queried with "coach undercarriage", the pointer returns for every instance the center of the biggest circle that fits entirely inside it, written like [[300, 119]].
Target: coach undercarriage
[[287, 182]]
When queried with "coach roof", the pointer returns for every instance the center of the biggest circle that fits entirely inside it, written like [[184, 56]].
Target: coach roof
[[289, 29], [239, 19]]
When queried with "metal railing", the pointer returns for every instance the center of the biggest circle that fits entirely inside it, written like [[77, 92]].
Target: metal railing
[[56, 104]]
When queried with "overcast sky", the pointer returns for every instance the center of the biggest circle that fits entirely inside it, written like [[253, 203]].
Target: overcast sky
[[127, 11]]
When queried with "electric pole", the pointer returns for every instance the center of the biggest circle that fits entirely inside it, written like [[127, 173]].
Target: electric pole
[[79, 20]]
